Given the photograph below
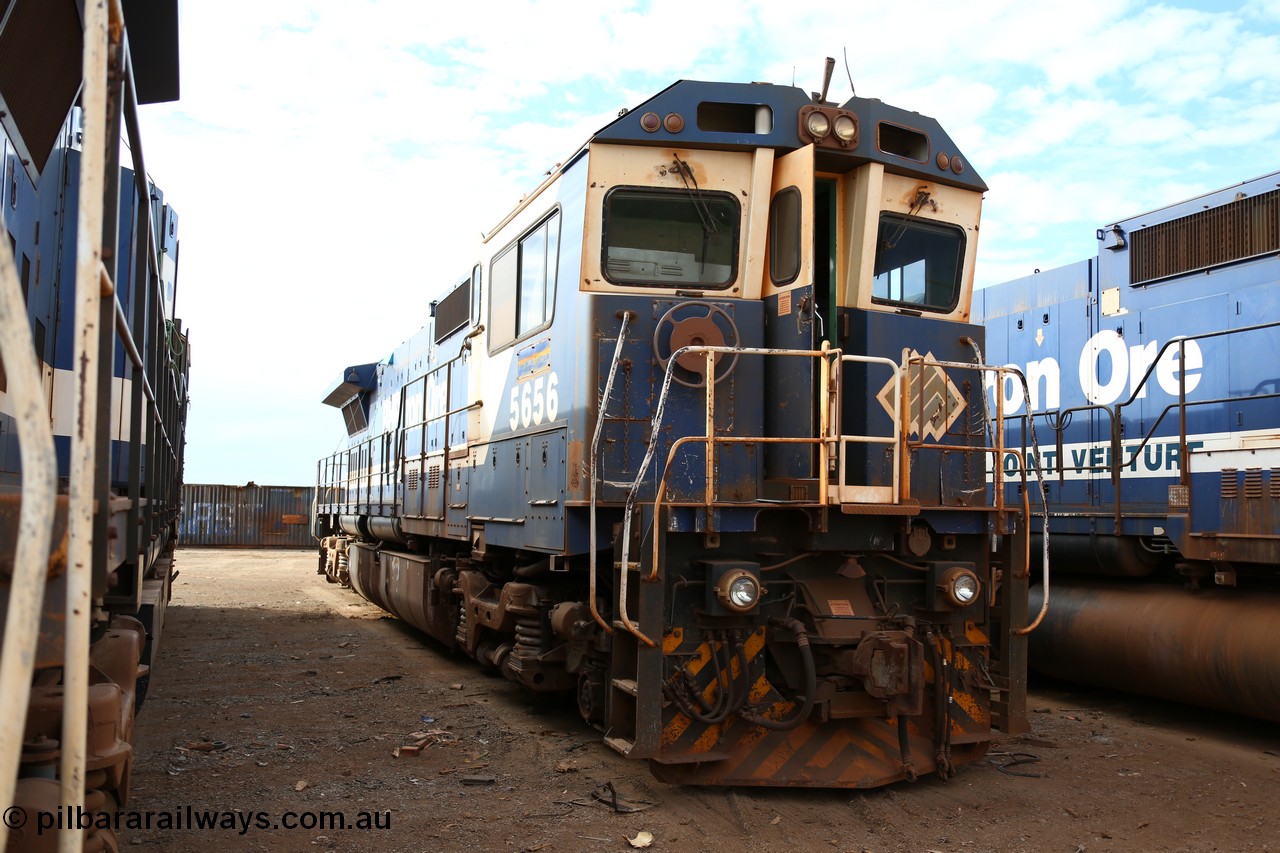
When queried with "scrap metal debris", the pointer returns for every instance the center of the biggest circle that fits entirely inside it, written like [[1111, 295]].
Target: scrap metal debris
[[417, 741], [608, 795], [1014, 759]]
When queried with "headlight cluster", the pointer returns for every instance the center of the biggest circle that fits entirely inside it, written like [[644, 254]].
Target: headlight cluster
[[828, 126]]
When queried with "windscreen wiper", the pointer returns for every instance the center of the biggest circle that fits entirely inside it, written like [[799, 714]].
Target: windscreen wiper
[[695, 194]]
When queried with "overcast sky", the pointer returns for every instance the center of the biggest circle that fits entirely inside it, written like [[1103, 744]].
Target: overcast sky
[[334, 162]]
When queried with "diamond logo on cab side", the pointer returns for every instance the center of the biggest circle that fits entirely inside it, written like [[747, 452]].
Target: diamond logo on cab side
[[934, 400]]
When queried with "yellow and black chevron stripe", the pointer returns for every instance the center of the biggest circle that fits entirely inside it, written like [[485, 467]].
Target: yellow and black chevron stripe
[[859, 752]]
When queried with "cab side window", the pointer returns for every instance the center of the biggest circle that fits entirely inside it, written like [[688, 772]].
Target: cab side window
[[522, 283]]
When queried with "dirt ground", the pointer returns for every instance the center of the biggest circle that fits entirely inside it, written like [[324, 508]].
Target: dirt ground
[[278, 698]]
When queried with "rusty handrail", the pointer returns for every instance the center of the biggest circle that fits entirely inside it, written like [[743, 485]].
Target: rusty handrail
[[659, 411], [595, 452], [103, 35], [998, 474], [727, 439], [896, 440], [35, 523]]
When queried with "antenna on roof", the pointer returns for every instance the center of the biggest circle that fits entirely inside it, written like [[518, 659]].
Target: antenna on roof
[[826, 81], [852, 88]]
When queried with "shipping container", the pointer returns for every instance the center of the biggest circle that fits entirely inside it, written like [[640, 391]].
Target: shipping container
[[248, 516]]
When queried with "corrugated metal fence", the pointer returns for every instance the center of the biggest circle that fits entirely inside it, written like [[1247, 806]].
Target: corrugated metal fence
[[249, 516]]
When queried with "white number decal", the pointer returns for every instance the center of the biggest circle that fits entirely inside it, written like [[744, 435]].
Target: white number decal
[[526, 404], [531, 403], [538, 402]]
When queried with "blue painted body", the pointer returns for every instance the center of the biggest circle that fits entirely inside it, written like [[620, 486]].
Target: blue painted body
[[1231, 418], [45, 254]]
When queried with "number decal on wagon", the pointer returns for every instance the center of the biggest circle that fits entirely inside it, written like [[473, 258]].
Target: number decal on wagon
[[534, 402]]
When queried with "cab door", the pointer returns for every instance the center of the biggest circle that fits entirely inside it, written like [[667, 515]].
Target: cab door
[[790, 323]]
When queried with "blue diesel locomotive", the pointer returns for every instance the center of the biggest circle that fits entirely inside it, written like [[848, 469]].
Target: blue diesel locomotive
[[93, 401], [1153, 372], [701, 440]]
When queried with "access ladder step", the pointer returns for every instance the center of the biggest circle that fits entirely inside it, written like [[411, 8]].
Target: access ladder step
[[880, 509], [626, 685], [621, 744]]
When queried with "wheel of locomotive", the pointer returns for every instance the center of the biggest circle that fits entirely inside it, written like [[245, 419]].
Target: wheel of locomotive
[[696, 324]]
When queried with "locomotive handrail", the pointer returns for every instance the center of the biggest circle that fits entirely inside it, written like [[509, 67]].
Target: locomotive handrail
[[446, 366], [829, 433], [999, 449], [422, 454], [103, 33], [727, 439], [659, 411], [1184, 464], [1120, 458], [895, 440], [998, 452], [131, 350], [35, 524], [595, 450]]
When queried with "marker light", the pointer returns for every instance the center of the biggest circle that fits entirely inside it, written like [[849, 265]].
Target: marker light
[[738, 590]]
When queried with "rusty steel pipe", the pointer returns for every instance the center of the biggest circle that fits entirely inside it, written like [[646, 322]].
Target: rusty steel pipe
[[1216, 647]]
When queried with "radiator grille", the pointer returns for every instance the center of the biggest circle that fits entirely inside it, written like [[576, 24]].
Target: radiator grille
[[1253, 483], [1233, 232], [453, 312], [412, 485], [1230, 484], [433, 477]]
